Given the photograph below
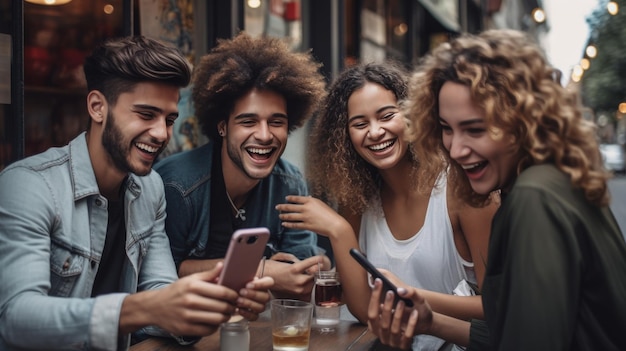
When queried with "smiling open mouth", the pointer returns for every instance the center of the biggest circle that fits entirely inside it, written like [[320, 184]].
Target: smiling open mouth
[[382, 146], [260, 154], [475, 167], [146, 148]]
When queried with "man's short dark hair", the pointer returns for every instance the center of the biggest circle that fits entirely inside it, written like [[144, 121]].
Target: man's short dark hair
[[117, 65]]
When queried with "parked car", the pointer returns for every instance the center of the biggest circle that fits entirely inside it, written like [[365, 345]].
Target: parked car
[[614, 157]]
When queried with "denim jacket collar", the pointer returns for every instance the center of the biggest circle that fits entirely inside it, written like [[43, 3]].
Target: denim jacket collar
[[82, 174]]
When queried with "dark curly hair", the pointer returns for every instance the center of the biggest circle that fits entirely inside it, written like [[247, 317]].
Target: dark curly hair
[[511, 81], [237, 65], [335, 170]]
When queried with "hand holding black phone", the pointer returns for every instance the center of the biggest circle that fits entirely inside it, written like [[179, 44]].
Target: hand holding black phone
[[387, 284]]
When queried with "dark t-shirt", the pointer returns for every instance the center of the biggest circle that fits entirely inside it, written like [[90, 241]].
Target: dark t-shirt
[[110, 269], [223, 222]]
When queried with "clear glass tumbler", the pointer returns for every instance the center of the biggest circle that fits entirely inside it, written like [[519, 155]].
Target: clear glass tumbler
[[327, 298]]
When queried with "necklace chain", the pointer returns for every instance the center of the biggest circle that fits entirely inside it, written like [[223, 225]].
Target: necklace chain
[[240, 212]]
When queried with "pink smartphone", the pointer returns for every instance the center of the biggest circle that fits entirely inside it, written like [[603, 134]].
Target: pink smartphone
[[243, 256]]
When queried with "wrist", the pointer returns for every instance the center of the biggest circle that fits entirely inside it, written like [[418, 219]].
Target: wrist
[[340, 230], [134, 314]]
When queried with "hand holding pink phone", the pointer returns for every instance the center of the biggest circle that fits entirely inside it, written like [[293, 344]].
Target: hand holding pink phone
[[243, 256]]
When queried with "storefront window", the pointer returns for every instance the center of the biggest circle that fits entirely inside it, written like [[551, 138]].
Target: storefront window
[[384, 27], [56, 41], [275, 18]]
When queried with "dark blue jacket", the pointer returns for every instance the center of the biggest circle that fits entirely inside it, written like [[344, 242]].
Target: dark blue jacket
[[187, 179]]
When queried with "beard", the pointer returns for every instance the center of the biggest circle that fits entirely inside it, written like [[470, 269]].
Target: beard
[[233, 153], [118, 148]]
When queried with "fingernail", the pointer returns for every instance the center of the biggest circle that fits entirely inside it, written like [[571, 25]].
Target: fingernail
[[402, 291]]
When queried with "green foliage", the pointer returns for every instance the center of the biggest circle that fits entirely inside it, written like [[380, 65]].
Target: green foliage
[[604, 83]]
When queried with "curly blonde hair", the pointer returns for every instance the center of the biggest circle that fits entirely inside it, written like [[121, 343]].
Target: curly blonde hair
[[335, 170], [511, 81], [236, 66]]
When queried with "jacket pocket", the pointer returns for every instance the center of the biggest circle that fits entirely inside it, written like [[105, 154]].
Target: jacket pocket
[[66, 267]]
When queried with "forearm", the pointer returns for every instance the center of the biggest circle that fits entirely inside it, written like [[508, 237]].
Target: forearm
[[136, 312], [356, 290], [461, 307], [450, 329], [74, 320], [188, 267]]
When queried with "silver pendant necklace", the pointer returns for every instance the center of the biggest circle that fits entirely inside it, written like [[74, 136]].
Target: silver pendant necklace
[[240, 212]]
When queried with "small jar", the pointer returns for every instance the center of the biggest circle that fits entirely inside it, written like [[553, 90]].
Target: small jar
[[235, 336]]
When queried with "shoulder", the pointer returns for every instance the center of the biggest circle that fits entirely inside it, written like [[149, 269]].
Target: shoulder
[[287, 171], [286, 168], [542, 176], [50, 158], [545, 181], [51, 162], [37, 181], [186, 166], [543, 189], [285, 179], [187, 160]]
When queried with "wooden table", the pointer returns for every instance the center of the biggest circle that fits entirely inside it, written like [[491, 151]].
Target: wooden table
[[348, 335]]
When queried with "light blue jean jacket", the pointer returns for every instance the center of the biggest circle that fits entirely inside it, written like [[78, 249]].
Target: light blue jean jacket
[[53, 223]]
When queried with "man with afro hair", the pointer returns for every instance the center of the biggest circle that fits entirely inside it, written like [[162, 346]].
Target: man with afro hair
[[248, 95]]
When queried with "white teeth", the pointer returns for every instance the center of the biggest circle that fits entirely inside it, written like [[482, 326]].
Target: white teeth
[[474, 165], [146, 147], [381, 145], [260, 151]]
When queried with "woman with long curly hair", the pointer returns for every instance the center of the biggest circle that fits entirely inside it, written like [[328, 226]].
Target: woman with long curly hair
[[361, 163], [491, 107]]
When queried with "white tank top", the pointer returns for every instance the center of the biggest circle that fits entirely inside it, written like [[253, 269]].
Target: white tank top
[[428, 260]]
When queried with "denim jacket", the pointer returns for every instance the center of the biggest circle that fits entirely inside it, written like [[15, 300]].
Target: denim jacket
[[187, 179], [53, 224]]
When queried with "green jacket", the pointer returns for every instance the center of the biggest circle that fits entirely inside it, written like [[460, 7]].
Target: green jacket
[[556, 273]]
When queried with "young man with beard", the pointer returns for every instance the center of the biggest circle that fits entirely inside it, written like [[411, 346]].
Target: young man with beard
[[85, 258], [248, 95]]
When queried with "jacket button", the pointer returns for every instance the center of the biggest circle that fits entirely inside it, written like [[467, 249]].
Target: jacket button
[[93, 264], [66, 264], [98, 202]]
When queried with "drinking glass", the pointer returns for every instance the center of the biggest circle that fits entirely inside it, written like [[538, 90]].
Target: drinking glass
[[327, 298], [291, 324]]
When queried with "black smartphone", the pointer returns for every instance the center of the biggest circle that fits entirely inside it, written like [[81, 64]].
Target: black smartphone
[[387, 284]]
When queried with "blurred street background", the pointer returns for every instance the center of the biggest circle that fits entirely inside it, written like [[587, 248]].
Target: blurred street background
[[43, 44]]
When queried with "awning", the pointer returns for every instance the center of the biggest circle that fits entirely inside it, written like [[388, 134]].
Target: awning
[[444, 11]]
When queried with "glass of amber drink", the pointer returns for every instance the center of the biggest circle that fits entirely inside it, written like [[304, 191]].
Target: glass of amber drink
[[291, 324], [327, 296]]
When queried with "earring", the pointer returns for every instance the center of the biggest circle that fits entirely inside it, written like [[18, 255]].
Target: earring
[[221, 133]]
